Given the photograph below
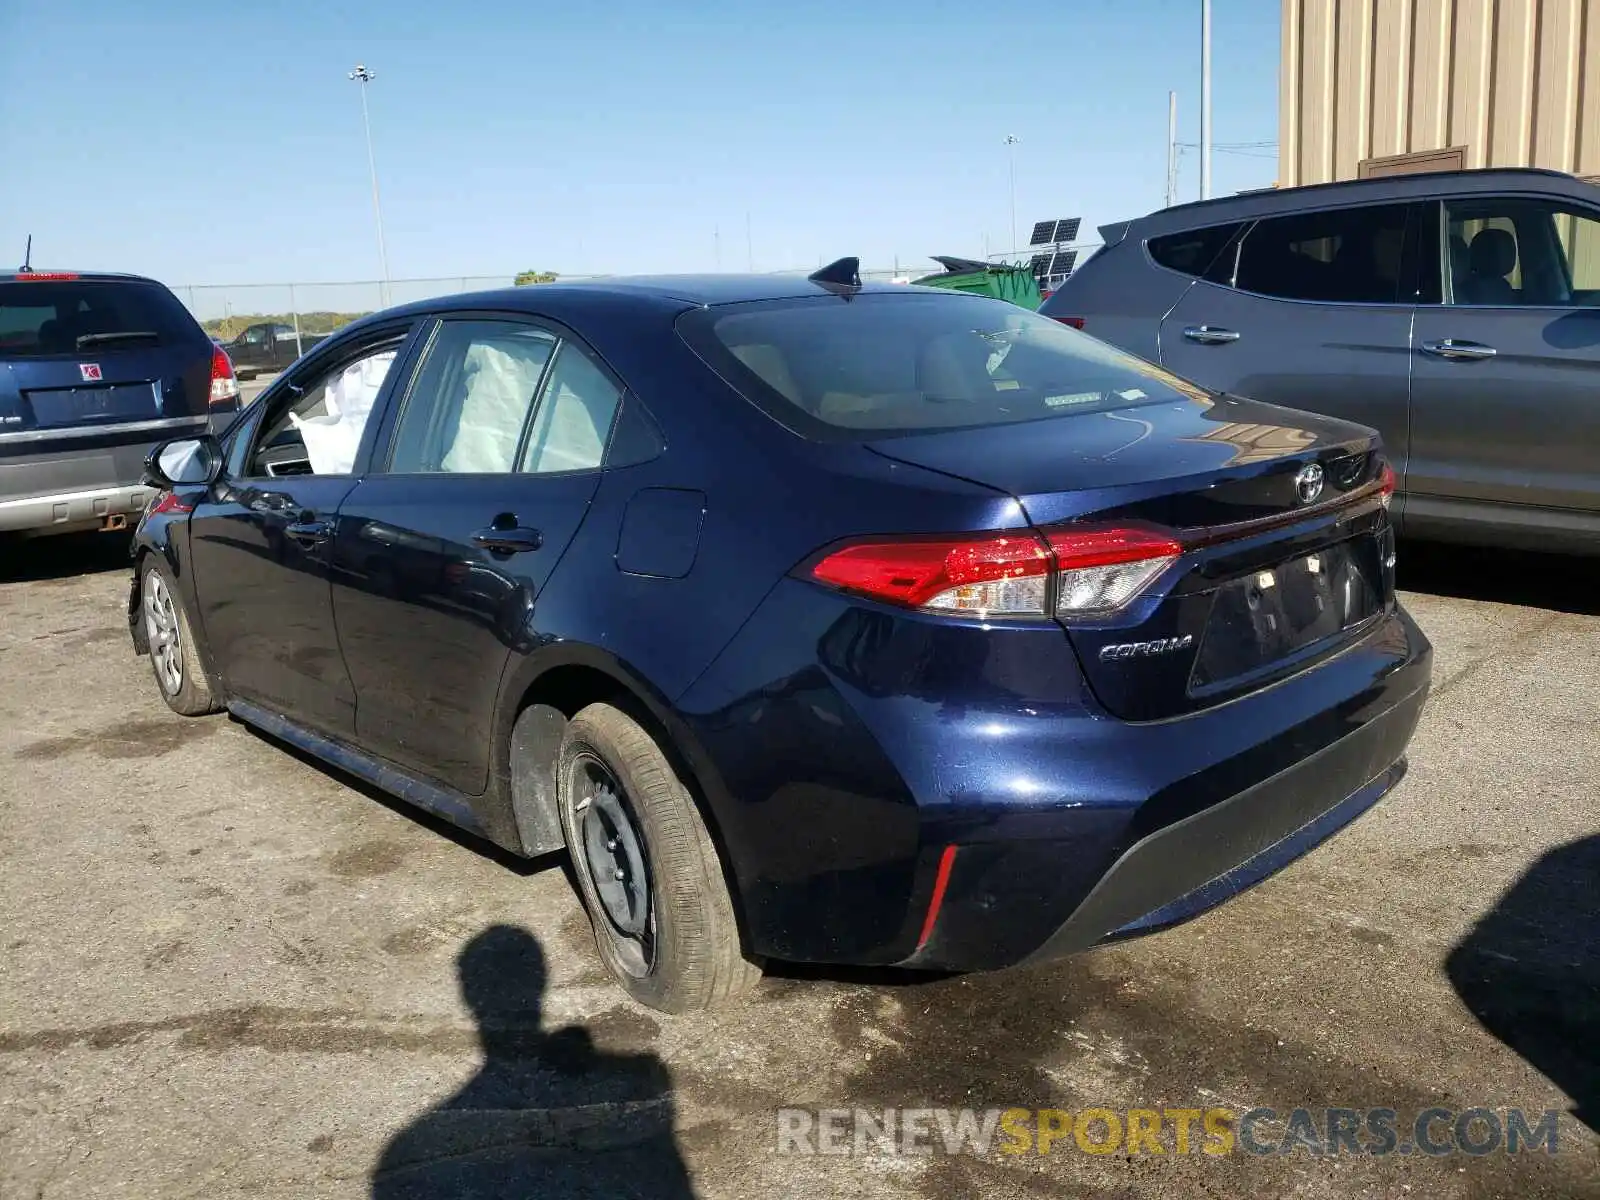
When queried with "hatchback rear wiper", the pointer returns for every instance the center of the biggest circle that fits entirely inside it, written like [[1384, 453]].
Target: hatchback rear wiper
[[126, 335]]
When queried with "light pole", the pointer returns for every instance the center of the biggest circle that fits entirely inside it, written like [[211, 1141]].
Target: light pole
[[1011, 170], [1205, 99], [363, 76]]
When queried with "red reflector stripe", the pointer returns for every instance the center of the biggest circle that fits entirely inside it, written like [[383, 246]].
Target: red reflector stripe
[[940, 882]]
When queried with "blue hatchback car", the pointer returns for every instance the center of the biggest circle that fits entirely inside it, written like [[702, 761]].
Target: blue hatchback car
[[817, 622]]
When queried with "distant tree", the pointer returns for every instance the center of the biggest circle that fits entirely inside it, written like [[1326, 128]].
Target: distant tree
[[526, 277]]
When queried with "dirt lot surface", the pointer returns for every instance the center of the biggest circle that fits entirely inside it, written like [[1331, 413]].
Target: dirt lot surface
[[230, 972]]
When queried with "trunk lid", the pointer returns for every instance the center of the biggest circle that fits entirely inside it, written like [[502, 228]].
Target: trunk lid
[[1287, 545]]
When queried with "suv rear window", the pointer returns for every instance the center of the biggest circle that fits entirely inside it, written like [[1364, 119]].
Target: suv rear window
[[66, 316], [873, 365]]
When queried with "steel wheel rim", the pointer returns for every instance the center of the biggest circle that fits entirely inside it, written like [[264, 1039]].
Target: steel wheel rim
[[612, 847], [162, 632]]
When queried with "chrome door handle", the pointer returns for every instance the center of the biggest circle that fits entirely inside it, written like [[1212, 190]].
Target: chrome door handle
[[1210, 335], [1451, 348], [308, 533]]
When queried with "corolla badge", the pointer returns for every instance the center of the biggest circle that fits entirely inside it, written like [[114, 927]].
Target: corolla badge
[[1145, 649], [1308, 482]]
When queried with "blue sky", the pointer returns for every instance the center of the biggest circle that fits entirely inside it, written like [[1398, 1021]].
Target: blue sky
[[221, 143]]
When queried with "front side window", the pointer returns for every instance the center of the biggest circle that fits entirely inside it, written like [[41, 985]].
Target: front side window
[[880, 363], [466, 411], [1510, 252], [1344, 255], [316, 424]]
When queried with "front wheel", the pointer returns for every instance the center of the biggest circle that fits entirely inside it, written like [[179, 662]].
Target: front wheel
[[648, 872], [182, 681]]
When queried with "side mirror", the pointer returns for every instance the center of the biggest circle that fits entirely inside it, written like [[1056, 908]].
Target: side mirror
[[184, 462]]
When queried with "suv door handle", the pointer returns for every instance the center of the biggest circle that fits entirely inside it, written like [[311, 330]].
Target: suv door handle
[[1210, 335], [513, 539], [308, 533], [1451, 348]]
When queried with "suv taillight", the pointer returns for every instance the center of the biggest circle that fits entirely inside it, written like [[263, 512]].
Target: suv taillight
[[224, 388], [1093, 569], [1075, 322]]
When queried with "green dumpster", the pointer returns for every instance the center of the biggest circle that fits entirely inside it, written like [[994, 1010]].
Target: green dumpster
[[1003, 281]]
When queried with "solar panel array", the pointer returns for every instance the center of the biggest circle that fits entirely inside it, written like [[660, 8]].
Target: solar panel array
[[1051, 233], [1048, 266]]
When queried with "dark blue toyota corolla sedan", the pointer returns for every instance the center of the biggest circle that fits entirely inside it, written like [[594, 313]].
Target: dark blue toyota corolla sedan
[[815, 621]]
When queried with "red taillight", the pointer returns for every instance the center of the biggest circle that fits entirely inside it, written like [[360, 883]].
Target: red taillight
[[1095, 570], [1386, 483], [169, 503], [992, 573], [1075, 322], [43, 276], [224, 388]]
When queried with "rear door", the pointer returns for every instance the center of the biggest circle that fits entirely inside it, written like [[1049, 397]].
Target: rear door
[[1310, 311], [1506, 382], [261, 541], [91, 372], [483, 478]]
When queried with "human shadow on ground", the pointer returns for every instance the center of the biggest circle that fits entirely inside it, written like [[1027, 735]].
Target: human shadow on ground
[[547, 1115], [1530, 971]]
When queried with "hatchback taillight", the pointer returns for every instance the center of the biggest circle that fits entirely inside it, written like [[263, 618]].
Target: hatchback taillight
[[224, 387], [1089, 570]]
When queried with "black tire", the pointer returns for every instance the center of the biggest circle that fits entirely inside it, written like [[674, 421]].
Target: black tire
[[190, 694], [688, 955]]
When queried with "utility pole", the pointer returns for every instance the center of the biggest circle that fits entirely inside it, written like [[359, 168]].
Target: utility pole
[[1011, 169], [1205, 99], [363, 76], [749, 245], [1172, 148]]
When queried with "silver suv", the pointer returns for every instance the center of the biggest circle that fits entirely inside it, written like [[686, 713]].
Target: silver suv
[[1457, 313]]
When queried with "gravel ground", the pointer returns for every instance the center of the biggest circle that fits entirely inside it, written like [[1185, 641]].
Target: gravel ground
[[230, 972]]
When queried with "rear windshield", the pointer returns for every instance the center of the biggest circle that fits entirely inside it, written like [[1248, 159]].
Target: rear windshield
[[71, 315], [879, 364]]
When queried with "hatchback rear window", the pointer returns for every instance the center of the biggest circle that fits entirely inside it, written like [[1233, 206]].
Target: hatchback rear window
[[881, 364], [49, 317]]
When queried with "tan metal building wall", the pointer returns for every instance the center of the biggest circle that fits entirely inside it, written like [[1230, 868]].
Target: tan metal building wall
[[1504, 82]]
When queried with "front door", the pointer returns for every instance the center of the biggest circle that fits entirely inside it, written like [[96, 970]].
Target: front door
[[444, 546], [1312, 311], [1506, 380], [261, 541]]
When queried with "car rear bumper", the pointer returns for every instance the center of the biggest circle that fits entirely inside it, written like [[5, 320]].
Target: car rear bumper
[[1177, 872], [838, 792], [46, 488], [63, 512]]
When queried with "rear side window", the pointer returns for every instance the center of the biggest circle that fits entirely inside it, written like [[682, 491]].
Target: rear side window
[[1349, 255], [66, 317], [879, 364], [1193, 251]]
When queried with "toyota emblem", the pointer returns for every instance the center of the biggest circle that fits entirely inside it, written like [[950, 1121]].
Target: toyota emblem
[[1308, 483]]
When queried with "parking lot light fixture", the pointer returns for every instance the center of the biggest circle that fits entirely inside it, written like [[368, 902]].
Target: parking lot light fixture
[[363, 76]]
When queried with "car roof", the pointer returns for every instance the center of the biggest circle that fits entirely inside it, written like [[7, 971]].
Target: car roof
[[1390, 188]]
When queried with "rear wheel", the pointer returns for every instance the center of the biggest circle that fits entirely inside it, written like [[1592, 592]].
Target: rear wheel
[[647, 869], [183, 683]]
